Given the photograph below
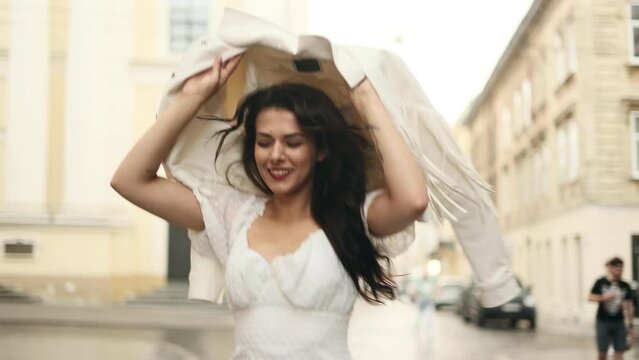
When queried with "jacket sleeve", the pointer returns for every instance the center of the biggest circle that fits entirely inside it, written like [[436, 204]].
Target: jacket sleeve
[[206, 280], [456, 191], [220, 206], [480, 236]]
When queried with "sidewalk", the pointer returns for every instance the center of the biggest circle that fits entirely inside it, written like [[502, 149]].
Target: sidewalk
[[166, 307], [205, 317]]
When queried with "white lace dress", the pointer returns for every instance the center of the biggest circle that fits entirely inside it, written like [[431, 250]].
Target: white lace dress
[[295, 307]]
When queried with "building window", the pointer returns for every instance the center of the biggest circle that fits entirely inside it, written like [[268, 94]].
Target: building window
[[540, 170], [565, 52], [516, 115], [560, 59], [521, 197], [539, 84], [578, 271], [634, 148], [545, 156], [188, 21], [634, 33], [571, 46], [538, 173], [539, 264], [573, 155], [529, 179], [505, 193], [568, 151], [526, 103], [506, 126], [566, 270]]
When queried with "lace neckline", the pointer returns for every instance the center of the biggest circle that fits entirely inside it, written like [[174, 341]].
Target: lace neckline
[[317, 233]]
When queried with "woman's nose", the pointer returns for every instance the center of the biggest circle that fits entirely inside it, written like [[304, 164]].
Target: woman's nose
[[278, 151]]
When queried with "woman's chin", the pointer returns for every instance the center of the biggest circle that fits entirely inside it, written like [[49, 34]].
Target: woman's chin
[[283, 190], [280, 191]]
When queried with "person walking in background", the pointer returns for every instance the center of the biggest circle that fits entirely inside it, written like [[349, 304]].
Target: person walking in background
[[615, 311]]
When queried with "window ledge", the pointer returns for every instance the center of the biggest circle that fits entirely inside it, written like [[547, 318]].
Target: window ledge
[[539, 108], [45, 219], [565, 82]]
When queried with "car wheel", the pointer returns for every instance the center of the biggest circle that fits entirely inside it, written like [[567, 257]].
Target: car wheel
[[513, 323], [533, 324], [464, 315], [481, 319]]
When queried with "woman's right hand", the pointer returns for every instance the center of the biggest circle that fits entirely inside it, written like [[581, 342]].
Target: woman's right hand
[[136, 178], [206, 83]]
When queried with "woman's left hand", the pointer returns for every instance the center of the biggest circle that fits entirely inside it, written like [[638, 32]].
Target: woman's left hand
[[364, 97]]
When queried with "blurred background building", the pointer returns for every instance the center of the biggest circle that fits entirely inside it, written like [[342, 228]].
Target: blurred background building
[[556, 132], [79, 82]]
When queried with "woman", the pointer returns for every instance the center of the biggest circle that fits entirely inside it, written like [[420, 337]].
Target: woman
[[296, 258]]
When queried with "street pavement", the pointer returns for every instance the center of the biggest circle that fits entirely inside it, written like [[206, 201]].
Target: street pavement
[[399, 331], [393, 331]]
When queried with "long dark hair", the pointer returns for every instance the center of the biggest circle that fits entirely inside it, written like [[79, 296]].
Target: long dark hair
[[339, 180]]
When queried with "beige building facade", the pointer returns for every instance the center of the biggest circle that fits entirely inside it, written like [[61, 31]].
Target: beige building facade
[[79, 83], [556, 132]]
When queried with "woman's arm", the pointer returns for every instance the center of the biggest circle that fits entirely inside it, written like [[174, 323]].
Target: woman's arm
[[407, 197], [136, 178]]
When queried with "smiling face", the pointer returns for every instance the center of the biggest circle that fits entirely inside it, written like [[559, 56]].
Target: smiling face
[[285, 156]]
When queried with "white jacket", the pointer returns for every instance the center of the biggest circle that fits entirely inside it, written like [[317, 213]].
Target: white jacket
[[455, 189]]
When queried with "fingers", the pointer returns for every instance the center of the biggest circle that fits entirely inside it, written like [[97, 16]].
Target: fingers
[[229, 66], [216, 70]]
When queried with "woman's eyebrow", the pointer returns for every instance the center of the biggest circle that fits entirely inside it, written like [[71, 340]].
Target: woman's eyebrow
[[287, 136]]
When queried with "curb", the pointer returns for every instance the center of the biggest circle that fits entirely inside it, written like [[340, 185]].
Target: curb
[[134, 316]]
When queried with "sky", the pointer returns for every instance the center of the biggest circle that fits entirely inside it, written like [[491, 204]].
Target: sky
[[451, 47]]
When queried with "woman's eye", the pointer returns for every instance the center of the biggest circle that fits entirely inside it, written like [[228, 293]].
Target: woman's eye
[[294, 144], [263, 144]]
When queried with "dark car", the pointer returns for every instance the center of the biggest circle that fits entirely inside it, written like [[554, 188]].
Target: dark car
[[520, 308]]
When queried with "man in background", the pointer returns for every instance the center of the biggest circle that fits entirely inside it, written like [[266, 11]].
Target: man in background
[[615, 311]]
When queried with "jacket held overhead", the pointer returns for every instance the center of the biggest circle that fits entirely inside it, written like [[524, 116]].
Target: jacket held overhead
[[273, 55]]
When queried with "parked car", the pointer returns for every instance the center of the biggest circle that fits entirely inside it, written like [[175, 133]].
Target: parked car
[[448, 292], [520, 308]]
